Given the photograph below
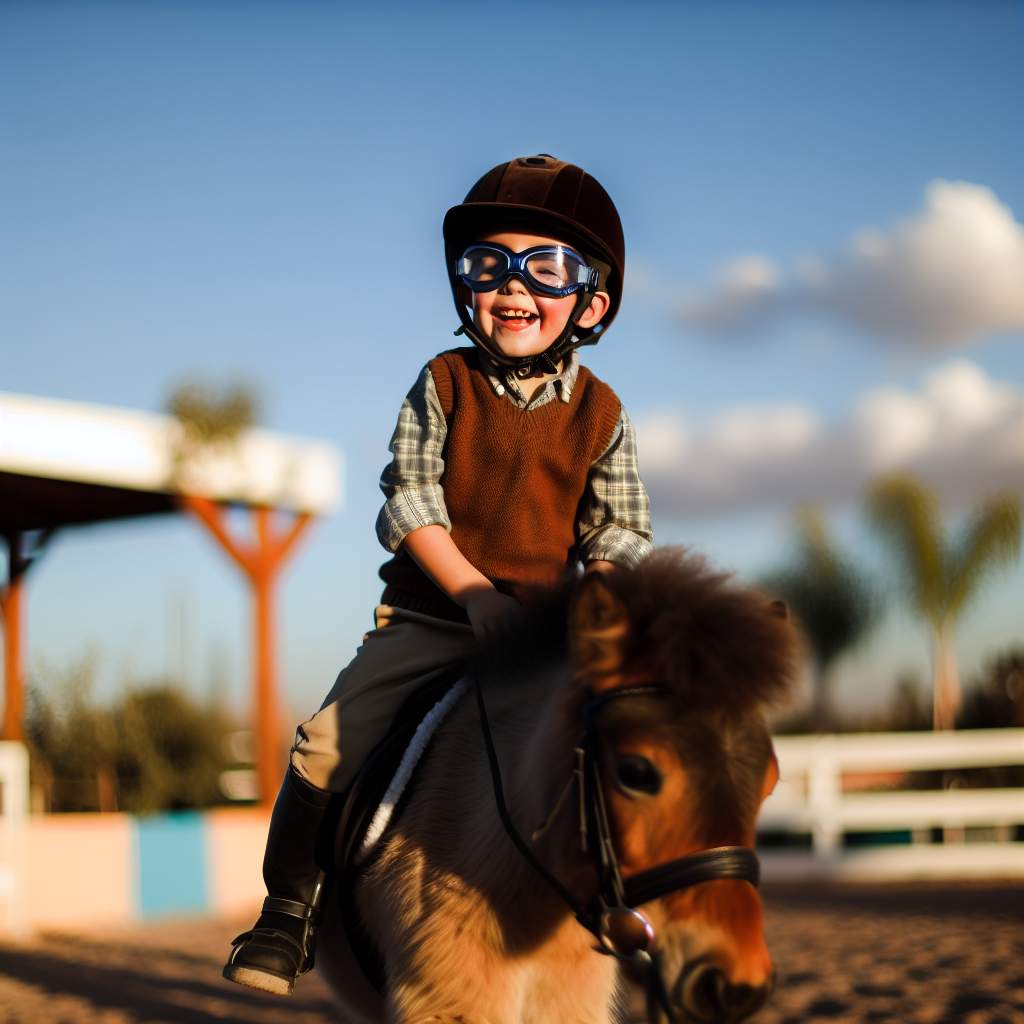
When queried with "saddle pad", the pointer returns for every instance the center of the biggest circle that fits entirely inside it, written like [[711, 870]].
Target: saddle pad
[[417, 745]]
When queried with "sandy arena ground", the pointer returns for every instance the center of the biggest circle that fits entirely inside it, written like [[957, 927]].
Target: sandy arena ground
[[867, 955]]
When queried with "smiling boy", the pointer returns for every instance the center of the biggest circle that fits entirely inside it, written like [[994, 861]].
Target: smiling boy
[[511, 463]]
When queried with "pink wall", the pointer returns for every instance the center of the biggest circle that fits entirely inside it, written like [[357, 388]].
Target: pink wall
[[235, 838], [85, 869], [79, 869]]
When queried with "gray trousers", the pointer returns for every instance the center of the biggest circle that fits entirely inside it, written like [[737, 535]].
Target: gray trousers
[[404, 651]]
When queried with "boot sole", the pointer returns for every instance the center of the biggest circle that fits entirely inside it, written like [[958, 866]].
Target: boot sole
[[262, 980]]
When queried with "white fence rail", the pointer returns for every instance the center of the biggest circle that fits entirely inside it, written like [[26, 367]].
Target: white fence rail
[[810, 798], [13, 813]]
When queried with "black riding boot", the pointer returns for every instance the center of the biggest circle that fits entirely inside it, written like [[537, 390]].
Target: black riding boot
[[279, 946]]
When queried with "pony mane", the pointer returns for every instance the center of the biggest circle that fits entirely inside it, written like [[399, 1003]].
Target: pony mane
[[714, 642]]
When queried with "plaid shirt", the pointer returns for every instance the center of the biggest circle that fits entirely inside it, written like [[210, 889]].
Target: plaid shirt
[[615, 520]]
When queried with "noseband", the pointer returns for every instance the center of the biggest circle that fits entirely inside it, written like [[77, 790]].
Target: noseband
[[620, 930]]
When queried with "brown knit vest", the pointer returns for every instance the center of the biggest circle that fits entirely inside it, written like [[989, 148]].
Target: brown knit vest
[[513, 479]]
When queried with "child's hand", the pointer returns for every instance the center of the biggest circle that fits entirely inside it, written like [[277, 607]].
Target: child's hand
[[488, 609]]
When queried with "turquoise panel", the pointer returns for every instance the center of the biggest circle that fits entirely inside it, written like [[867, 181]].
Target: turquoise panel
[[171, 864]]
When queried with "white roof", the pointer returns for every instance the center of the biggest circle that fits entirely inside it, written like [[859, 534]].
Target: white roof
[[125, 448]]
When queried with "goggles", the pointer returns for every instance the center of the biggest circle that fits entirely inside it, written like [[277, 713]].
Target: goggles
[[553, 270]]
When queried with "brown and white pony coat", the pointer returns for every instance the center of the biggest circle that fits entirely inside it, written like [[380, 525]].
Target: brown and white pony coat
[[469, 932]]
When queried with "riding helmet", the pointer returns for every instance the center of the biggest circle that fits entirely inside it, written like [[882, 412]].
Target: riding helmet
[[542, 195]]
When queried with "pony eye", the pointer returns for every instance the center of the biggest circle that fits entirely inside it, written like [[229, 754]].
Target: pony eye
[[638, 774]]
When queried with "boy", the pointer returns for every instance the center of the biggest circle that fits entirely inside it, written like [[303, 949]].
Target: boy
[[511, 462]]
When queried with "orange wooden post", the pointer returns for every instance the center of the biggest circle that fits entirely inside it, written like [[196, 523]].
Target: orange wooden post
[[268, 730], [20, 556], [262, 563], [14, 680]]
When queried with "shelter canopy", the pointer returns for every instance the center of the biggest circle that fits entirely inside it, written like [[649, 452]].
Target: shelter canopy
[[65, 463]]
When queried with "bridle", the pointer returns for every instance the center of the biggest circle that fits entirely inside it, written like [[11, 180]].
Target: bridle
[[610, 916]]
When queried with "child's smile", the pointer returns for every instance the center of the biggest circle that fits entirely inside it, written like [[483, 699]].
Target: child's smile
[[514, 317]]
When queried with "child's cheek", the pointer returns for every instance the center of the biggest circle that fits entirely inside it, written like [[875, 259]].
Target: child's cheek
[[555, 312], [481, 307]]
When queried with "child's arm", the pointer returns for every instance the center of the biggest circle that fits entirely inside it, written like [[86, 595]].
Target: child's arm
[[615, 521], [439, 557]]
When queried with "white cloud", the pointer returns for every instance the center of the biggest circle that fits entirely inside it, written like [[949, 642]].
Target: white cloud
[[962, 432], [666, 442], [948, 276], [745, 291]]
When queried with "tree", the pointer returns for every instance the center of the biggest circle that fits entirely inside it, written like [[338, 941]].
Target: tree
[[210, 421], [170, 753], [829, 600], [154, 749], [72, 743], [943, 576]]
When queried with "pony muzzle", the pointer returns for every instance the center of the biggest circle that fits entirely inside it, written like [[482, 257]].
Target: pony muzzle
[[703, 992]]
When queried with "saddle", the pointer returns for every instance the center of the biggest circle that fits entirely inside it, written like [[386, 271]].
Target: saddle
[[359, 814]]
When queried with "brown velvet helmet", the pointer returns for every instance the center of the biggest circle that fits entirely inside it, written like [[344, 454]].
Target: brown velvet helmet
[[542, 195]]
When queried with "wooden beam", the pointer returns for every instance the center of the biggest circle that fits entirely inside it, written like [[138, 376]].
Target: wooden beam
[[20, 556], [212, 517], [14, 682], [261, 562], [288, 541]]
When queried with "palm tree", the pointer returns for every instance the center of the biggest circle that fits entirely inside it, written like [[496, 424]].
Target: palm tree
[[943, 576], [829, 599]]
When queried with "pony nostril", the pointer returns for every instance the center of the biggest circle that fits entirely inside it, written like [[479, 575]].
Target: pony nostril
[[699, 991], [704, 993], [741, 1001]]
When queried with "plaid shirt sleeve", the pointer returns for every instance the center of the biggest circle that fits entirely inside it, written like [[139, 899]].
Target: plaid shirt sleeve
[[411, 481], [615, 514]]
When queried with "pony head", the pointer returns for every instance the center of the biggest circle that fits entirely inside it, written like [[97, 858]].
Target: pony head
[[686, 768]]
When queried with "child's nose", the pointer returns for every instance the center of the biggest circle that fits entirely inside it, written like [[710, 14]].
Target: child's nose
[[513, 286]]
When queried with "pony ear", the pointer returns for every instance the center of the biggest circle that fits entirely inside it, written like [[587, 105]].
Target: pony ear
[[598, 625]]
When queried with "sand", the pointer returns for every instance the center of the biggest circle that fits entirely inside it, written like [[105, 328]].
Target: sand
[[929, 954]]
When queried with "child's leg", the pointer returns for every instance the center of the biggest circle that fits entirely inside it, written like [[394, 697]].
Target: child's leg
[[279, 947], [393, 661]]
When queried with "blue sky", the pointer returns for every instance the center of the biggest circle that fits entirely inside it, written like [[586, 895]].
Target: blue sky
[[255, 191]]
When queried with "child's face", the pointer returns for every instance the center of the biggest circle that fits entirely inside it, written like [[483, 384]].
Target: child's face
[[542, 317]]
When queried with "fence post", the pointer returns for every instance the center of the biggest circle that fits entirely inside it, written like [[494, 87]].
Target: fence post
[[824, 791], [13, 818]]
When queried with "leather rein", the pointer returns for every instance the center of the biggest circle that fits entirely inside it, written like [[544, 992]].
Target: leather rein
[[610, 916]]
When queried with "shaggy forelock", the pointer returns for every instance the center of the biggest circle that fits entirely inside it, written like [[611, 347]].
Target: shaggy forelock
[[713, 641]]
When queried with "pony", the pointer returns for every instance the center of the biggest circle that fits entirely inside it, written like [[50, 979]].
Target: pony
[[588, 816]]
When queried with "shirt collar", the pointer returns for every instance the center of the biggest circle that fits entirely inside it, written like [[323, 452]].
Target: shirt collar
[[502, 379]]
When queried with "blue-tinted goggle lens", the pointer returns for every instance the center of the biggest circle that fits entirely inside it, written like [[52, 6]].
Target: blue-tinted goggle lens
[[549, 269]]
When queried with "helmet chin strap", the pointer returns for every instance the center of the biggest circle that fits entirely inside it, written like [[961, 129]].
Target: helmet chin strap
[[543, 362]]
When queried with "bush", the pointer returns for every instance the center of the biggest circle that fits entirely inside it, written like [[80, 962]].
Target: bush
[[154, 749], [996, 699], [169, 756]]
